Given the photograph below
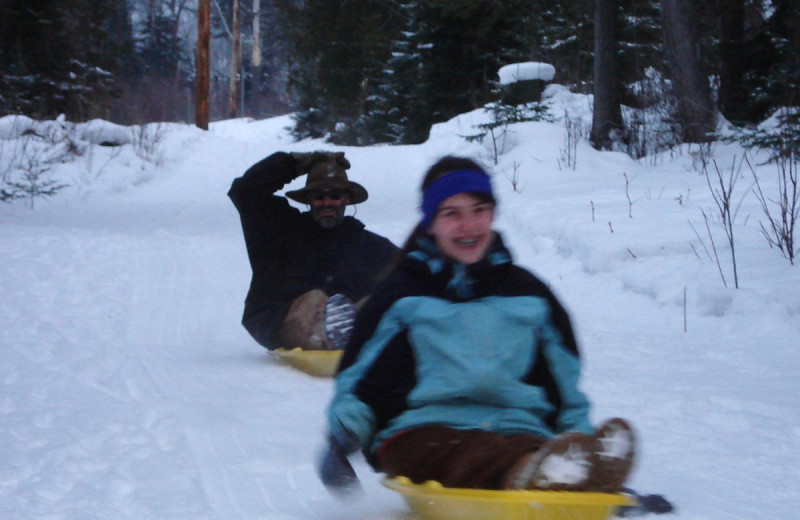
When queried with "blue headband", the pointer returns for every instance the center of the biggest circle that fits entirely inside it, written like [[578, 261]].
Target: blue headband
[[459, 181]]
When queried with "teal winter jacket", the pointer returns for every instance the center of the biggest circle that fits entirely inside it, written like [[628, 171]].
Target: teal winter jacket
[[485, 346]]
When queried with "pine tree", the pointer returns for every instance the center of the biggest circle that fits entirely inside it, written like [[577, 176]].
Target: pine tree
[[333, 51], [160, 49], [158, 81], [34, 58], [561, 33], [442, 61], [395, 111], [60, 57], [639, 50], [782, 78], [463, 44], [269, 94]]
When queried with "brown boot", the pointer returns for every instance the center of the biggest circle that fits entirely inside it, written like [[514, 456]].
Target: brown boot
[[563, 463], [303, 326], [615, 455]]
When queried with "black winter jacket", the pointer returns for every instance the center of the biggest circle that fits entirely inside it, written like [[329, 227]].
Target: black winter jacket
[[290, 254]]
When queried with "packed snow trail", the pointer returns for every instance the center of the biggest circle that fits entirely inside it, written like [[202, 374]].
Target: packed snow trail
[[129, 390], [134, 387]]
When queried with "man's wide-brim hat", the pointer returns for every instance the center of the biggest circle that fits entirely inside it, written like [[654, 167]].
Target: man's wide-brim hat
[[328, 175]]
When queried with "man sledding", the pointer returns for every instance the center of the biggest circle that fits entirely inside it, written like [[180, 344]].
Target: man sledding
[[307, 266]]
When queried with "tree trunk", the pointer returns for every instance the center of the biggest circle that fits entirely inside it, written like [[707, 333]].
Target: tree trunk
[[732, 94], [203, 63], [256, 33], [696, 111], [254, 104], [607, 125], [236, 63]]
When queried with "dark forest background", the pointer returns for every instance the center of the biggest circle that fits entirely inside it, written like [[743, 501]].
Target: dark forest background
[[370, 71]]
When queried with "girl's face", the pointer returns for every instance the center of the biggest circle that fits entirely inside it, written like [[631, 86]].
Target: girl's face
[[462, 228]]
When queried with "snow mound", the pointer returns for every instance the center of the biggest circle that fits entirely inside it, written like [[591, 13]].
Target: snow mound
[[526, 71]]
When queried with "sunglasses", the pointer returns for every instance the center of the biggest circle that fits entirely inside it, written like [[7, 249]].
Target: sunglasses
[[330, 194]]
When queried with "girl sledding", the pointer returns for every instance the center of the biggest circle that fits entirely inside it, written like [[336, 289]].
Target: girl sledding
[[463, 367]]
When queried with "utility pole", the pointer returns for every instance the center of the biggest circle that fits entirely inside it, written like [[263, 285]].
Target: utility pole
[[203, 63]]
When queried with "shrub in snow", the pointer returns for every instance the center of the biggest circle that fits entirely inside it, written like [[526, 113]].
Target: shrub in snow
[[573, 133], [779, 136], [31, 180], [651, 126], [146, 142], [30, 149], [504, 115]]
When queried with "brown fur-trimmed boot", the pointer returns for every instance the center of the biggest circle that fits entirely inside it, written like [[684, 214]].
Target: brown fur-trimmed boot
[[564, 463], [303, 326], [615, 455]]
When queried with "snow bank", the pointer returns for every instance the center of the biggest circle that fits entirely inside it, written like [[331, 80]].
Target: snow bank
[[526, 71], [98, 131]]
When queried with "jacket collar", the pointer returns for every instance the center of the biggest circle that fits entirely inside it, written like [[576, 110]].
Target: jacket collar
[[460, 278]]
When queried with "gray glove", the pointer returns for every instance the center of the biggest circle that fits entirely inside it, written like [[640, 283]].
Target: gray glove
[[305, 160], [336, 472], [337, 318], [333, 467]]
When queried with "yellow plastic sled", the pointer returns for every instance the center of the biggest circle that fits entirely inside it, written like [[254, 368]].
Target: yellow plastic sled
[[432, 501], [315, 362]]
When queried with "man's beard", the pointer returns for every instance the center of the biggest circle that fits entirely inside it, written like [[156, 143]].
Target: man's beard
[[328, 221]]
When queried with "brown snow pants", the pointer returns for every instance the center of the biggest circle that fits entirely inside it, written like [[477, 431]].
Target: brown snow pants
[[455, 458]]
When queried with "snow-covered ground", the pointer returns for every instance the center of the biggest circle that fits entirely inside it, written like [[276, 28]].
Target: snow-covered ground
[[128, 389]]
